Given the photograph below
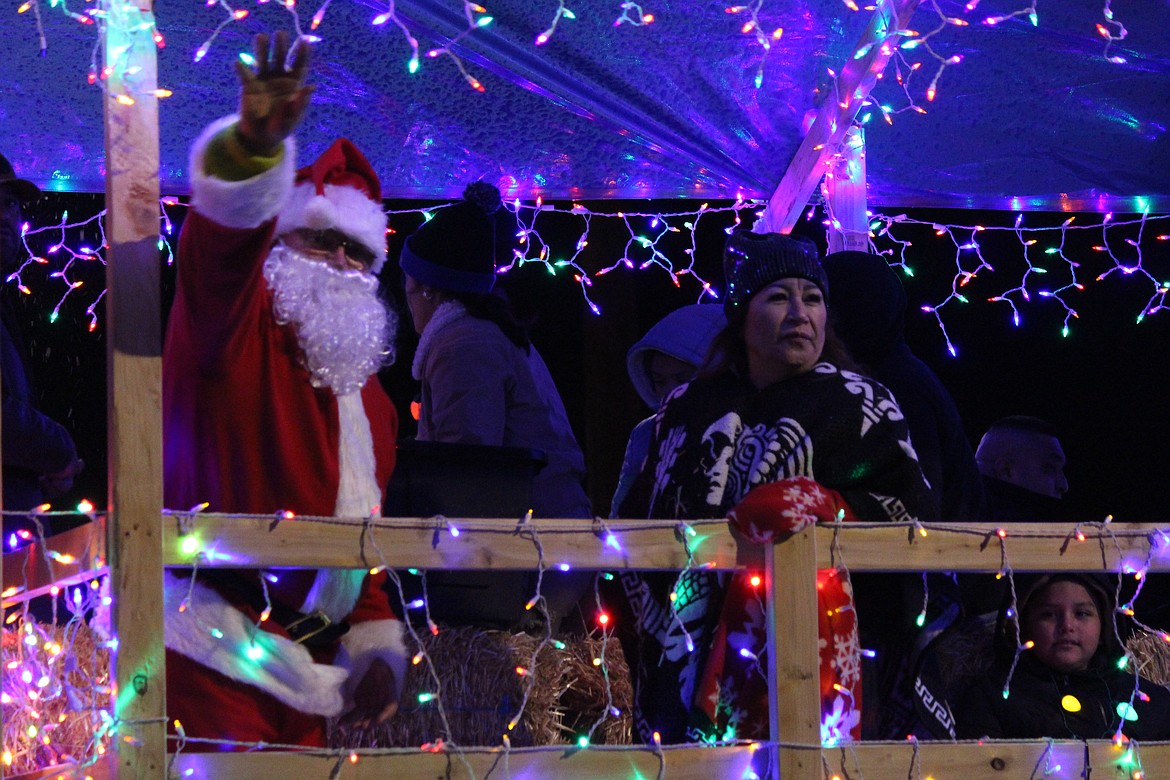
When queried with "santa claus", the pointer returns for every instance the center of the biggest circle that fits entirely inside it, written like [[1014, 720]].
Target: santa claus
[[271, 402]]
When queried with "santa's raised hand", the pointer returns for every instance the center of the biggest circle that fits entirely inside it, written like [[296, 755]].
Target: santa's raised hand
[[274, 96]]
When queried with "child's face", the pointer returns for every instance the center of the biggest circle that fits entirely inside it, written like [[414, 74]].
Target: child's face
[[1064, 623], [668, 372]]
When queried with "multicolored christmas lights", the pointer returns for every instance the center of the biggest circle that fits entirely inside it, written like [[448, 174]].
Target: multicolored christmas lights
[[1042, 270]]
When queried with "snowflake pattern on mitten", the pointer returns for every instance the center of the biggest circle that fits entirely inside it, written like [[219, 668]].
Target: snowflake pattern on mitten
[[773, 512], [733, 692]]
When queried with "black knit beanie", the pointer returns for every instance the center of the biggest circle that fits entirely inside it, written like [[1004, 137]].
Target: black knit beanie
[[460, 247], [752, 261]]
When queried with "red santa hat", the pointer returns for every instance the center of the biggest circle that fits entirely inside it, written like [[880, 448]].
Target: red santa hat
[[339, 191]]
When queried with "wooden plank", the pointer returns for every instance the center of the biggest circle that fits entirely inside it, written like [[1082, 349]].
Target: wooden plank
[[977, 547], [1005, 760], [408, 542], [492, 544], [844, 189], [27, 572], [135, 409], [995, 760], [854, 82], [428, 543], [794, 684], [682, 763]]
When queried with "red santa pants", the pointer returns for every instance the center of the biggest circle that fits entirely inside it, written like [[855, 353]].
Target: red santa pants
[[213, 706]]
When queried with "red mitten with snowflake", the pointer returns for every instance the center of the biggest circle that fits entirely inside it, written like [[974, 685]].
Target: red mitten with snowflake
[[775, 511]]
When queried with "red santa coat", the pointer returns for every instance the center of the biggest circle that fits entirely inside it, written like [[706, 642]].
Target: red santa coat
[[246, 432]]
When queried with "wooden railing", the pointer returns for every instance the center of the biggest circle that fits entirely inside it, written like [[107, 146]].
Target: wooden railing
[[790, 578]]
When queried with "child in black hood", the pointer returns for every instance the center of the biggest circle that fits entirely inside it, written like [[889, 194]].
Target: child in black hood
[[1073, 680]]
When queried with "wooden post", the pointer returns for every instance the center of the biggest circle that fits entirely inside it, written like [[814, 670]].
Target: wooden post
[[845, 193], [794, 698], [134, 376], [854, 83]]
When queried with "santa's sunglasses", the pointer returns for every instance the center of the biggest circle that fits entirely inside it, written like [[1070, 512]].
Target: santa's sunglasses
[[330, 240]]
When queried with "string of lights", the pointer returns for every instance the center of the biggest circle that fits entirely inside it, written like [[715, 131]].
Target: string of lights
[[563, 12], [1019, 265], [478, 16], [1047, 273], [115, 63], [754, 27], [920, 42], [632, 14]]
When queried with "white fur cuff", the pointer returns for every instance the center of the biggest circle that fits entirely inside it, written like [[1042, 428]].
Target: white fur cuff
[[240, 204], [214, 633]]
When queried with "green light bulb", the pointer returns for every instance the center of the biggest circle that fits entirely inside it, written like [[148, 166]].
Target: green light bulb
[[1126, 711]]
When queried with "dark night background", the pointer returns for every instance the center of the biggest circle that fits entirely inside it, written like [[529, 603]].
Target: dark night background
[[1102, 386]]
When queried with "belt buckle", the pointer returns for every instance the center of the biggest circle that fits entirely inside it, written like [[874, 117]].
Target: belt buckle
[[318, 615]]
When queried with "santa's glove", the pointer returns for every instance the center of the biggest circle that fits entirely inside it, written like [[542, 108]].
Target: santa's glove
[[273, 95], [775, 511]]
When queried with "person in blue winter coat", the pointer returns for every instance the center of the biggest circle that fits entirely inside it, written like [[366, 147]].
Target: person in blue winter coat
[[40, 460], [668, 355]]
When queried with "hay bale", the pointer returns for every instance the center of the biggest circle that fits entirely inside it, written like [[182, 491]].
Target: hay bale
[[69, 672], [479, 688], [1152, 654], [480, 691]]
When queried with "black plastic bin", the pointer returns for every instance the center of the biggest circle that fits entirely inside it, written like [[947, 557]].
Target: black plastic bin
[[465, 480], [461, 480]]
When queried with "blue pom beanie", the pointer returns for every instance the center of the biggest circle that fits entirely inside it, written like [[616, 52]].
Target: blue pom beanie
[[459, 248]]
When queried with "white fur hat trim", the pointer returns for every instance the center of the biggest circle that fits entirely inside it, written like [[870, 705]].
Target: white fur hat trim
[[340, 208]]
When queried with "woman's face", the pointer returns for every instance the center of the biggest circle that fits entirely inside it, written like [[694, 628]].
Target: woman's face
[[784, 331], [1065, 626], [422, 302]]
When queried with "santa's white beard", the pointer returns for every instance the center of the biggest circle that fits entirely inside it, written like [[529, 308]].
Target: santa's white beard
[[344, 329]]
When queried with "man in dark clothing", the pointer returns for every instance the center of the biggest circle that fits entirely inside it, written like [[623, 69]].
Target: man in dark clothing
[[1022, 464], [40, 460]]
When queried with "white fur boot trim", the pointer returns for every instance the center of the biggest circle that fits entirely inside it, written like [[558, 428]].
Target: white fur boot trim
[[369, 640], [280, 667]]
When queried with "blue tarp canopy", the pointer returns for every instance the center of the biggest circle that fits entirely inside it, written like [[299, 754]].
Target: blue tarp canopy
[[1035, 116]]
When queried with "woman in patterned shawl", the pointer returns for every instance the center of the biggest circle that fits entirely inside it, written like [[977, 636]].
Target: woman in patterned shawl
[[775, 433]]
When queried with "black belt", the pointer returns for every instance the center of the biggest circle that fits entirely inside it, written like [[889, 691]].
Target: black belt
[[313, 629]]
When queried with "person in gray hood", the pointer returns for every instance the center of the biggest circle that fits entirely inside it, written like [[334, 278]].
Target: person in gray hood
[[666, 357]]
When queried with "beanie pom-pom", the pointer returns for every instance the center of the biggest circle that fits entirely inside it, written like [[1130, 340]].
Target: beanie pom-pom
[[484, 195]]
